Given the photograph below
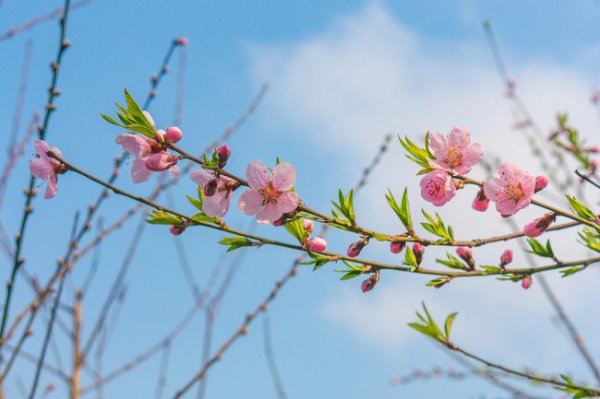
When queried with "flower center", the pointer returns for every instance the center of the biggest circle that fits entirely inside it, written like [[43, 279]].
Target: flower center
[[515, 192], [270, 194], [453, 158]]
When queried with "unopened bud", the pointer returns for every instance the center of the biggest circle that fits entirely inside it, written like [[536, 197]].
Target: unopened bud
[[224, 152], [506, 258], [466, 255], [540, 182], [539, 225], [526, 282], [173, 134], [316, 244], [182, 41], [308, 226], [177, 230], [418, 250], [355, 248], [397, 246], [481, 201]]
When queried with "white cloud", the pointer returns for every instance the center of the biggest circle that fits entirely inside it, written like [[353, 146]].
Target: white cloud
[[367, 75]]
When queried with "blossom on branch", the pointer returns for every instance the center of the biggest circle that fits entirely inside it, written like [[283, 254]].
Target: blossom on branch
[[437, 187], [455, 153], [512, 191], [216, 204], [46, 168], [270, 194]]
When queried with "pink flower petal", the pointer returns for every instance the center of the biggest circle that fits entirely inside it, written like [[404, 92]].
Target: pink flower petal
[[139, 172], [41, 148], [174, 171], [202, 176], [41, 168], [51, 188], [268, 214], [288, 201], [216, 205], [257, 174], [284, 176], [471, 156], [494, 189], [459, 137], [250, 202], [134, 144]]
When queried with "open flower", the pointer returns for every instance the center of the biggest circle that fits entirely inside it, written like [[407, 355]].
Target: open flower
[[455, 153], [217, 204], [269, 195], [512, 191], [437, 187], [46, 168]]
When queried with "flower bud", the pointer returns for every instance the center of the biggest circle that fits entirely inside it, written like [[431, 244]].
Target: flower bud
[[397, 246], [539, 225], [541, 182], [316, 244], [173, 134], [211, 188], [466, 255], [526, 282], [149, 117], [418, 250], [308, 226], [506, 258], [223, 152], [370, 283], [355, 248], [176, 230], [182, 41], [481, 202]]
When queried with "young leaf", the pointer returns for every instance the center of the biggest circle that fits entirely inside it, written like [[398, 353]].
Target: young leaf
[[159, 217], [237, 242]]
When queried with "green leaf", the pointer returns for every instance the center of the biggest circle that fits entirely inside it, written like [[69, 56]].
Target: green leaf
[[453, 262], [410, 259], [580, 209], [296, 228], [317, 261], [448, 324], [538, 249], [159, 217], [132, 118], [237, 242], [490, 269], [345, 206], [571, 270]]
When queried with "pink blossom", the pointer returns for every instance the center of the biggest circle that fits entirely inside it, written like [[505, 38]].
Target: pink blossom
[[397, 246], [511, 191], [526, 282], [269, 195], [149, 156], [506, 257], [173, 134], [161, 161], [46, 168], [481, 202], [540, 182], [418, 250], [539, 225], [217, 204], [316, 244], [437, 187], [455, 153]]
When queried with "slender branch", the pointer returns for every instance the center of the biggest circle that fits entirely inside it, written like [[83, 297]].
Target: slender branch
[[273, 369], [333, 256], [77, 358], [30, 193]]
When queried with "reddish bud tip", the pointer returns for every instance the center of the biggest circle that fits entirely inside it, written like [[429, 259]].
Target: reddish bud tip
[[308, 226], [176, 230], [418, 250], [355, 248], [182, 41], [526, 282], [539, 225], [224, 153]]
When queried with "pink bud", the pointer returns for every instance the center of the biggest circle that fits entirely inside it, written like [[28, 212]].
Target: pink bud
[[594, 149], [541, 182], [418, 250], [506, 258], [176, 230], [481, 202], [224, 152], [397, 246], [308, 226], [182, 41], [466, 255], [173, 134], [355, 248], [160, 161], [370, 283], [539, 225], [526, 282], [316, 244]]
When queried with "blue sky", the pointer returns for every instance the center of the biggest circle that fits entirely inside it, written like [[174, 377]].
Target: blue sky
[[342, 75]]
